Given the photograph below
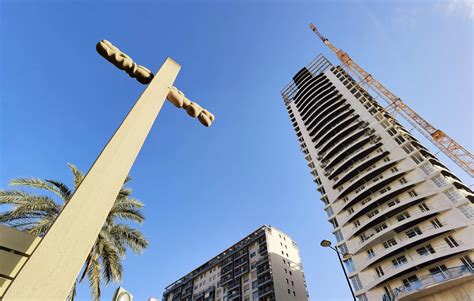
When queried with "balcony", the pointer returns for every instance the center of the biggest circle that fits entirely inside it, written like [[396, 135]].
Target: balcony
[[313, 101], [397, 226], [321, 82], [315, 123], [315, 107], [319, 132], [417, 262], [352, 149], [431, 283]]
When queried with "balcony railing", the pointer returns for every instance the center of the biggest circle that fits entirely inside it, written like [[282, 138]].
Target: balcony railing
[[428, 281], [419, 257]]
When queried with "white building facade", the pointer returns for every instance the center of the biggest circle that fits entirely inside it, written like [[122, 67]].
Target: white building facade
[[405, 217], [264, 266]]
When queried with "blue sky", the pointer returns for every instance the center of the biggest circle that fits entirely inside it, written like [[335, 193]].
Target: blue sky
[[204, 189]]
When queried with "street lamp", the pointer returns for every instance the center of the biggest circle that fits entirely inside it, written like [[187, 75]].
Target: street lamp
[[327, 244]]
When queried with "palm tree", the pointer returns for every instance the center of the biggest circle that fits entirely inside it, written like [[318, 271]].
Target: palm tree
[[36, 213]]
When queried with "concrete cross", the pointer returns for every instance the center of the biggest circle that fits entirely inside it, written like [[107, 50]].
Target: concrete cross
[[53, 266]]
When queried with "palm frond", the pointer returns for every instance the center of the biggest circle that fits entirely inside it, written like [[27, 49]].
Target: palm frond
[[111, 261], [94, 276], [65, 191], [126, 214], [78, 175], [72, 292], [36, 183], [127, 236]]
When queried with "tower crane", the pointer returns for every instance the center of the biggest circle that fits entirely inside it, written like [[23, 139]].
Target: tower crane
[[461, 156]]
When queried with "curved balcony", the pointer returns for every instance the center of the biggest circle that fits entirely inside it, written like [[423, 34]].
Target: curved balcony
[[334, 99], [429, 233], [342, 134], [313, 97], [369, 179], [381, 199], [317, 123], [430, 283], [314, 82], [386, 213], [317, 132], [345, 143], [333, 159], [340, 124], [398, 226], [379, 204], [350, 171], [417, 262], [317, 105], [355, 158]]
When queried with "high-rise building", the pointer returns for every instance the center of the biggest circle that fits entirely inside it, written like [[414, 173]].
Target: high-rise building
[[264, 266], [404, 216]]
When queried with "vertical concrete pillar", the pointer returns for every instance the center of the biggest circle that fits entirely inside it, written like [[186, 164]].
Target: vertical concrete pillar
[[53, 267]]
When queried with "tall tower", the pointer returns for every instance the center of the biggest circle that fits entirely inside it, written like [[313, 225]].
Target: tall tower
[[264, 266], [405, 217]]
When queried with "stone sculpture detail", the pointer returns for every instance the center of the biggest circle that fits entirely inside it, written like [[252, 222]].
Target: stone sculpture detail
[[143, 75], [124, 62]]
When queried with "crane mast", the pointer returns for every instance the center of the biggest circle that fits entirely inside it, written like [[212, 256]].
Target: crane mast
[[461, 156]]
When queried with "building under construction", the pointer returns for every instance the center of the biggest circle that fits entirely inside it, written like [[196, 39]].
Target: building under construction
[[402, 217]]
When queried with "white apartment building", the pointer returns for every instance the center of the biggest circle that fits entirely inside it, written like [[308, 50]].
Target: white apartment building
[[404, 216], [264, 266]]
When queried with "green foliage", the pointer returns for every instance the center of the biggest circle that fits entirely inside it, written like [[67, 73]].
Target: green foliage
[[35, 214]]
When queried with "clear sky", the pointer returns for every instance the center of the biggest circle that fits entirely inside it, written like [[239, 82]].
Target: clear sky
[[204, 189]]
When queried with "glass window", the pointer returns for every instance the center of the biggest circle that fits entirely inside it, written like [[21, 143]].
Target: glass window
[[425, 250], [413, 232], [338, 235], [349, 265], [451, 241], [453, 195], [356, 284], [468, 210], [389, 243], [399, 261]]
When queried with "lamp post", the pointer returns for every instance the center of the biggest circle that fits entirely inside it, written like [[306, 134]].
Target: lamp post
[[327, 244], [53, 266]]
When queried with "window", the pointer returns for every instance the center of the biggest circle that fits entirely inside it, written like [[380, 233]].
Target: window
[[286, 271], [412, 282], [339, 236], [467, 262], [290, 273], [253, 254], [287, 281], [399, 261], [413, 232], [362, 297], [418, 158], [394, 169], [292, 283], [356, 224], [453, 195], [294, 293], [372, 213], [402, 216], [403, 181], [467, 210], [255, 284], [350, 211], [425, 250], [423, 207], [412, 193], [436, 223], [343, 248], [399, 139], [408, 148], [329, 211], [439, 181], [370, 253], [389, 243], [393, 202], [380, 227], [451, 241], [379, 271], [334, 223], [289, 292], [427, 168], [392, 131], [384, 190], [385, 123], [439, 272], [349, 265], [356, 284]]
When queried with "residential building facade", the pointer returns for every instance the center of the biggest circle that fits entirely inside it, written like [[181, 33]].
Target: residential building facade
[[404, 216], [264, 266]]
